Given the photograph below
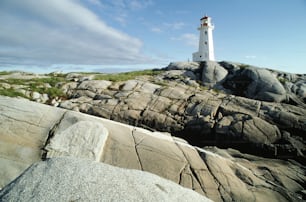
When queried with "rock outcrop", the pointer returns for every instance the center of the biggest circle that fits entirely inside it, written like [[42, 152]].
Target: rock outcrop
[[213, 74], [211, 103], [202, 117], [33, 132], [247, 81], [72, 179], [256, 83]]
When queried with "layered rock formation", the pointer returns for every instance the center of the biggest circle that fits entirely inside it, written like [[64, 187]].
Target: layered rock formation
[[32, 132], [174, 102]]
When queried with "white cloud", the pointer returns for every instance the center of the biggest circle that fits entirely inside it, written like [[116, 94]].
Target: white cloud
[[250, 56], [188, 39], [96, 3], [127, 4], [156, 29], [137, 4], [175, 25], [166, 26], [61, 32]]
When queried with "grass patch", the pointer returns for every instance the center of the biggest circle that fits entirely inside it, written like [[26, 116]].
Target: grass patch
[[11, 93], [14, 81], [50, 80], [127, 75], [243, 66], [35, 85], [36, 81], [4, 73], [54, 91]]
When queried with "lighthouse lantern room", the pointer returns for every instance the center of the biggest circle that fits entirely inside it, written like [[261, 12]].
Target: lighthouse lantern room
[[206, 46]]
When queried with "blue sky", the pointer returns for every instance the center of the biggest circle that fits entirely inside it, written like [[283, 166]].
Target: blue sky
[[91, 35]]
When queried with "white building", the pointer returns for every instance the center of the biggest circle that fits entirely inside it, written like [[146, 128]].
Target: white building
[[206, 45]]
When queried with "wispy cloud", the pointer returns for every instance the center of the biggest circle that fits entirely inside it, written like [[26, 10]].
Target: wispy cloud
[[250, 56], [62, 32], [188, 39], [156, 29], [175, 25], [96, 3], [125, 4], [139, 4], [120, 10], [166, 26]]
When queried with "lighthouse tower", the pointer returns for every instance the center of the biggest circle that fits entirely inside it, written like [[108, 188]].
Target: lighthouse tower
[[206, 46]]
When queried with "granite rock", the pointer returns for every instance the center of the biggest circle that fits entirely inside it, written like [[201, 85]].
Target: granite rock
[[72, 179], [217, 174]]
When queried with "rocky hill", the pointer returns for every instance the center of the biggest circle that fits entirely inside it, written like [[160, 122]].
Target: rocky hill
[[239, 108]]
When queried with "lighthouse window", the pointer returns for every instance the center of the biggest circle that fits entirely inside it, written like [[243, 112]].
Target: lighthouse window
[[205, 32], [205, 42]]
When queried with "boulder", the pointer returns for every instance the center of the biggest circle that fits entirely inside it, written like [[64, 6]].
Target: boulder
[[36, 95], [94, 85], [82, 139], [256, 83], [183, 66], [212, 73], [71, 179]]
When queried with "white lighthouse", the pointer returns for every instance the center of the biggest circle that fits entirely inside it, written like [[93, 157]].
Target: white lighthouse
[[206, 45]]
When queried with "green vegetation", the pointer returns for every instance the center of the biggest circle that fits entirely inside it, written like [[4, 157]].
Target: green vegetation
[[215, 90], [50, 80], [127, 75], [282, 80], [35, 85], [243, 66], [13, 81], [203, 87], [4, 73], [11, 93]]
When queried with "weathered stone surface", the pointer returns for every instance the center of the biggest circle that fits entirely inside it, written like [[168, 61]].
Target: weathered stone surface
[[245, 128], [264, 86], [24, 129], [183, 66], [256, 83], [94, 85], [78, 138], [70, 179], [237, 174], [198, 115], [212, 73], [218, 174]]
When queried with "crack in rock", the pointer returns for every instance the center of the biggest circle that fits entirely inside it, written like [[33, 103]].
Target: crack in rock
[[136, 150]]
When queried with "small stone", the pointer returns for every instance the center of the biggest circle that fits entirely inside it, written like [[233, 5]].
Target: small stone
[[35, 95]]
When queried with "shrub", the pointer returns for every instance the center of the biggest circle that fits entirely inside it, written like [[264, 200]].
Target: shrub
[[282, 80], [243, 66], [4, 73], [127, 75]]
